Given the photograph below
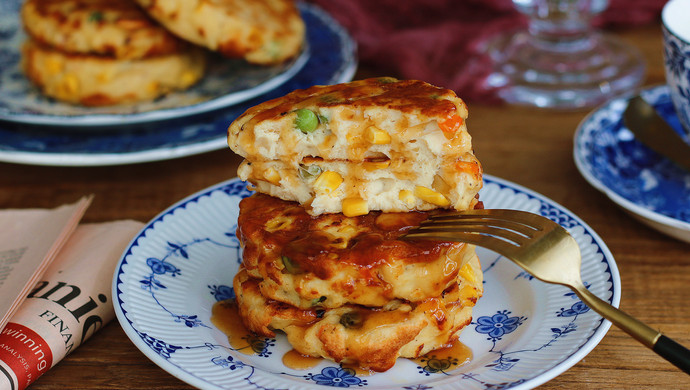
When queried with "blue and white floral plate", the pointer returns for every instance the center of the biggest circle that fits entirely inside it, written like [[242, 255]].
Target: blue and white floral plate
[[333, 60], [524, 333], [227, 82], [647, 185]]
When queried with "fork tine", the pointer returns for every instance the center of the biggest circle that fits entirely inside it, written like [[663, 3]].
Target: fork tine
[[472, 228], [521, 219], [485, 219], [518, 227], [450, 221], [499, 245]]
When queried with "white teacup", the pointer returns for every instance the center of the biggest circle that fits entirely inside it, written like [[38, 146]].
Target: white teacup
[[675, 19]]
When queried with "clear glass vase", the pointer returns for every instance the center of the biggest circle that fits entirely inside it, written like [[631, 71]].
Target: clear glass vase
[[560, 61]]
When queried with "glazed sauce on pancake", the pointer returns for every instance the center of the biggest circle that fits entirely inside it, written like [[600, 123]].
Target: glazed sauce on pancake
[[408, 96], [445, 359], [297, 361], [349, 101], [302, 238], [225, 317]]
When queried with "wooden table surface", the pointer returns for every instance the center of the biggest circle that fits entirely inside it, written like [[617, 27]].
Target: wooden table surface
[[527, 146]]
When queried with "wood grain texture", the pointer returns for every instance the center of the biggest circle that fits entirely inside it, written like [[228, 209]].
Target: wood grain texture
[[527, 146]]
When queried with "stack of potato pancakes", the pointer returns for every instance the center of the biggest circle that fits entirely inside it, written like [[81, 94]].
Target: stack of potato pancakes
[[108, 52], [341, 173], [103, 52]]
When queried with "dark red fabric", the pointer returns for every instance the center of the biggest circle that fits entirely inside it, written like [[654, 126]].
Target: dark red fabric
[[438, 40]]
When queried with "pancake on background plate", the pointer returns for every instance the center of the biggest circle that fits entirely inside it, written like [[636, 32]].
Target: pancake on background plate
[[262, 32], [92, 80], [104, 52], [115, 28]]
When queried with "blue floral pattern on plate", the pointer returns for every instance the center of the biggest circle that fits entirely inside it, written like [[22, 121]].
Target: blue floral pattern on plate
[[332, 60], [677, 61], [643, 182], [524, 331], [226, 82]]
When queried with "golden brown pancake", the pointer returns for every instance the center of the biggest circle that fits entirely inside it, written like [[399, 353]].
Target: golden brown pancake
[[371, 338], [331, 260], [261, 31], [117, 28], [375, 144], [92, 80]]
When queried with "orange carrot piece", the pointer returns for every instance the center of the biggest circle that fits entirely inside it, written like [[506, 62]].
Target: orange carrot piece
[[451, 124]]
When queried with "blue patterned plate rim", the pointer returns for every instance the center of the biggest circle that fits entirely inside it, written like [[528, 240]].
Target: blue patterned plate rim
[[333, 60], [227, 82], [524, 332], [633, 176]]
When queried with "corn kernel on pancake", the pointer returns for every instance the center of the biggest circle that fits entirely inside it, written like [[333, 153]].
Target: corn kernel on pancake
[[374, 144], [330, 260], [99, 81], [354, 188], [118, 28], [372, 338], [261, 31]]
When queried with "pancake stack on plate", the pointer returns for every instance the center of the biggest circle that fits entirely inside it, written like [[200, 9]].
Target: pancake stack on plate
[[111, 52], [104, 52], [341, 172]]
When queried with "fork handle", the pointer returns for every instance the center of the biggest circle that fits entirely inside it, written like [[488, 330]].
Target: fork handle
[[673, 352], [665, 347]]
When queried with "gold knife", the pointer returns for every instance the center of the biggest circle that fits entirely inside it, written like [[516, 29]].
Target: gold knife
[[653, 131]]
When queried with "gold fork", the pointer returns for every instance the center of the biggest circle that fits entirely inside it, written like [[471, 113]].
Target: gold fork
[[549, 253]]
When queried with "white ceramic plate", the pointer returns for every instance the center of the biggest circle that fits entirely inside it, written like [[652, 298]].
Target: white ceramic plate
[[647, 185], [226, 82], [333, 60], [524, 332]]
